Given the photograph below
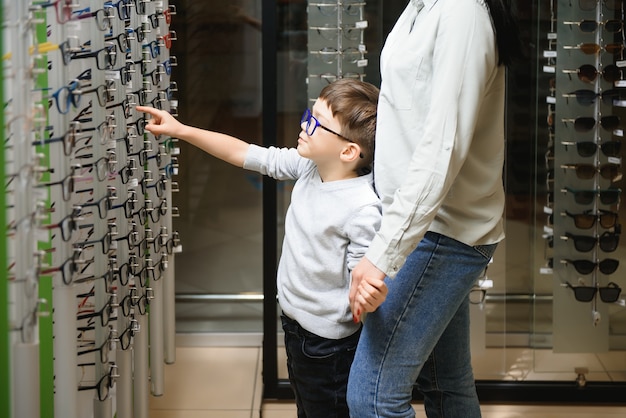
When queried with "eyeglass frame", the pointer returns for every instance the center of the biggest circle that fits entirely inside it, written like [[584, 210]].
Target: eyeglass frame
[[307, 116]]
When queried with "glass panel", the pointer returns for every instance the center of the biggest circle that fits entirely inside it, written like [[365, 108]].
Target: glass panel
[[535, 327], [219, 82], [572, 337]]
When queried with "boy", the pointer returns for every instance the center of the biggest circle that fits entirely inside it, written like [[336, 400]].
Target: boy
[[332, 218]]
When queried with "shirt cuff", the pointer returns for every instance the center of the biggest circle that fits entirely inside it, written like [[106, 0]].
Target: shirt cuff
[[384, 258]]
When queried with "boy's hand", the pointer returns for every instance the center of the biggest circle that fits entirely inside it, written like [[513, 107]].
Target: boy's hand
[[368, 289], [162, 122]]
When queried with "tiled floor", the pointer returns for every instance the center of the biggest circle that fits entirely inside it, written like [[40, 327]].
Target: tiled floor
[[225, 382]]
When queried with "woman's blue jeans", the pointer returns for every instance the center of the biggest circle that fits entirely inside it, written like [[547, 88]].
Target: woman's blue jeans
[[421, 334], [318, 370]]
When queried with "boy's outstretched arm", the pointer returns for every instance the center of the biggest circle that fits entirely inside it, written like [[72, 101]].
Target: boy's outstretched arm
[[225, 147]]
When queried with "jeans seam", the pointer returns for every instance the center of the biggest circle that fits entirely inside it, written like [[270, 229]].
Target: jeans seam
[[434, 382], [481, 251]]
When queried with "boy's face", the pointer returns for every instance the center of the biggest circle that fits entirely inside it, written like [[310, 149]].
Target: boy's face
[[323, 145]]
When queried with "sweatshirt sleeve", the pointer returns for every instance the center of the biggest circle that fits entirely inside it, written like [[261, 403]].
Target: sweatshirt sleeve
[[360, 230], [278, 163]]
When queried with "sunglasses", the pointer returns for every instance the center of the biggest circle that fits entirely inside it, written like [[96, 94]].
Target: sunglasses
[[588, 97], [587, 220], [608, 294], [589, 148], [585, 197], [586, 123], [608, 241], [606, 266], [590, 26], [591, 48], [607, 171], [588, 73]]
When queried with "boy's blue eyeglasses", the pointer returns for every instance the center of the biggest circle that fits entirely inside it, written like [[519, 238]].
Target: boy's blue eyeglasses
[[312, 123]]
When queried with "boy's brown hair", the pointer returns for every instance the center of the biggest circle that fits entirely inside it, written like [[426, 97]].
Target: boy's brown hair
[[354, 103]]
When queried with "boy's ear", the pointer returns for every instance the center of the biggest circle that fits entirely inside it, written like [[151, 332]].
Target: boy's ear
[[350, 152]]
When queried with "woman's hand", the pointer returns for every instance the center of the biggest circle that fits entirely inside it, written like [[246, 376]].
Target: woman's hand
[[368, 289]]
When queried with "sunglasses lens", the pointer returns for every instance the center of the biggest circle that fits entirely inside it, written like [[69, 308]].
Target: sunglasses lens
[[584, 124], [585, 171], [610, 96], [613, 26], [583, 243], [609, 197], [611, 73], [611, 148], [590, 49], [610, 123], [608, 220], [587, 73], [610, 293], [584, 221], [588, 26], [584, 293], [614, 48], [585, 97], [584, 267], [584, 197], [609, 242], [609, 171], [586, 149], [608, 266]]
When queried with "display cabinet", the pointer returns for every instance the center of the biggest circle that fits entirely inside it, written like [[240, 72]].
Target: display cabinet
[[89, 244]]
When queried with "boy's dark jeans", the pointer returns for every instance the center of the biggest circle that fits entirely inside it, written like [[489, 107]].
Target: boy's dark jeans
[[318, 370]]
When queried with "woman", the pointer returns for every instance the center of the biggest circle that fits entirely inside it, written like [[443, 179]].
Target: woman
[[439, 160]]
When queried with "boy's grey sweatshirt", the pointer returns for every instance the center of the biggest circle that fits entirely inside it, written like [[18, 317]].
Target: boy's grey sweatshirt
[[328, 228]]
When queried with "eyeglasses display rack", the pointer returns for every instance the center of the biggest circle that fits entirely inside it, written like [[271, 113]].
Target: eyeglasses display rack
[[335, 42], [90, 244], [586, 102]]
